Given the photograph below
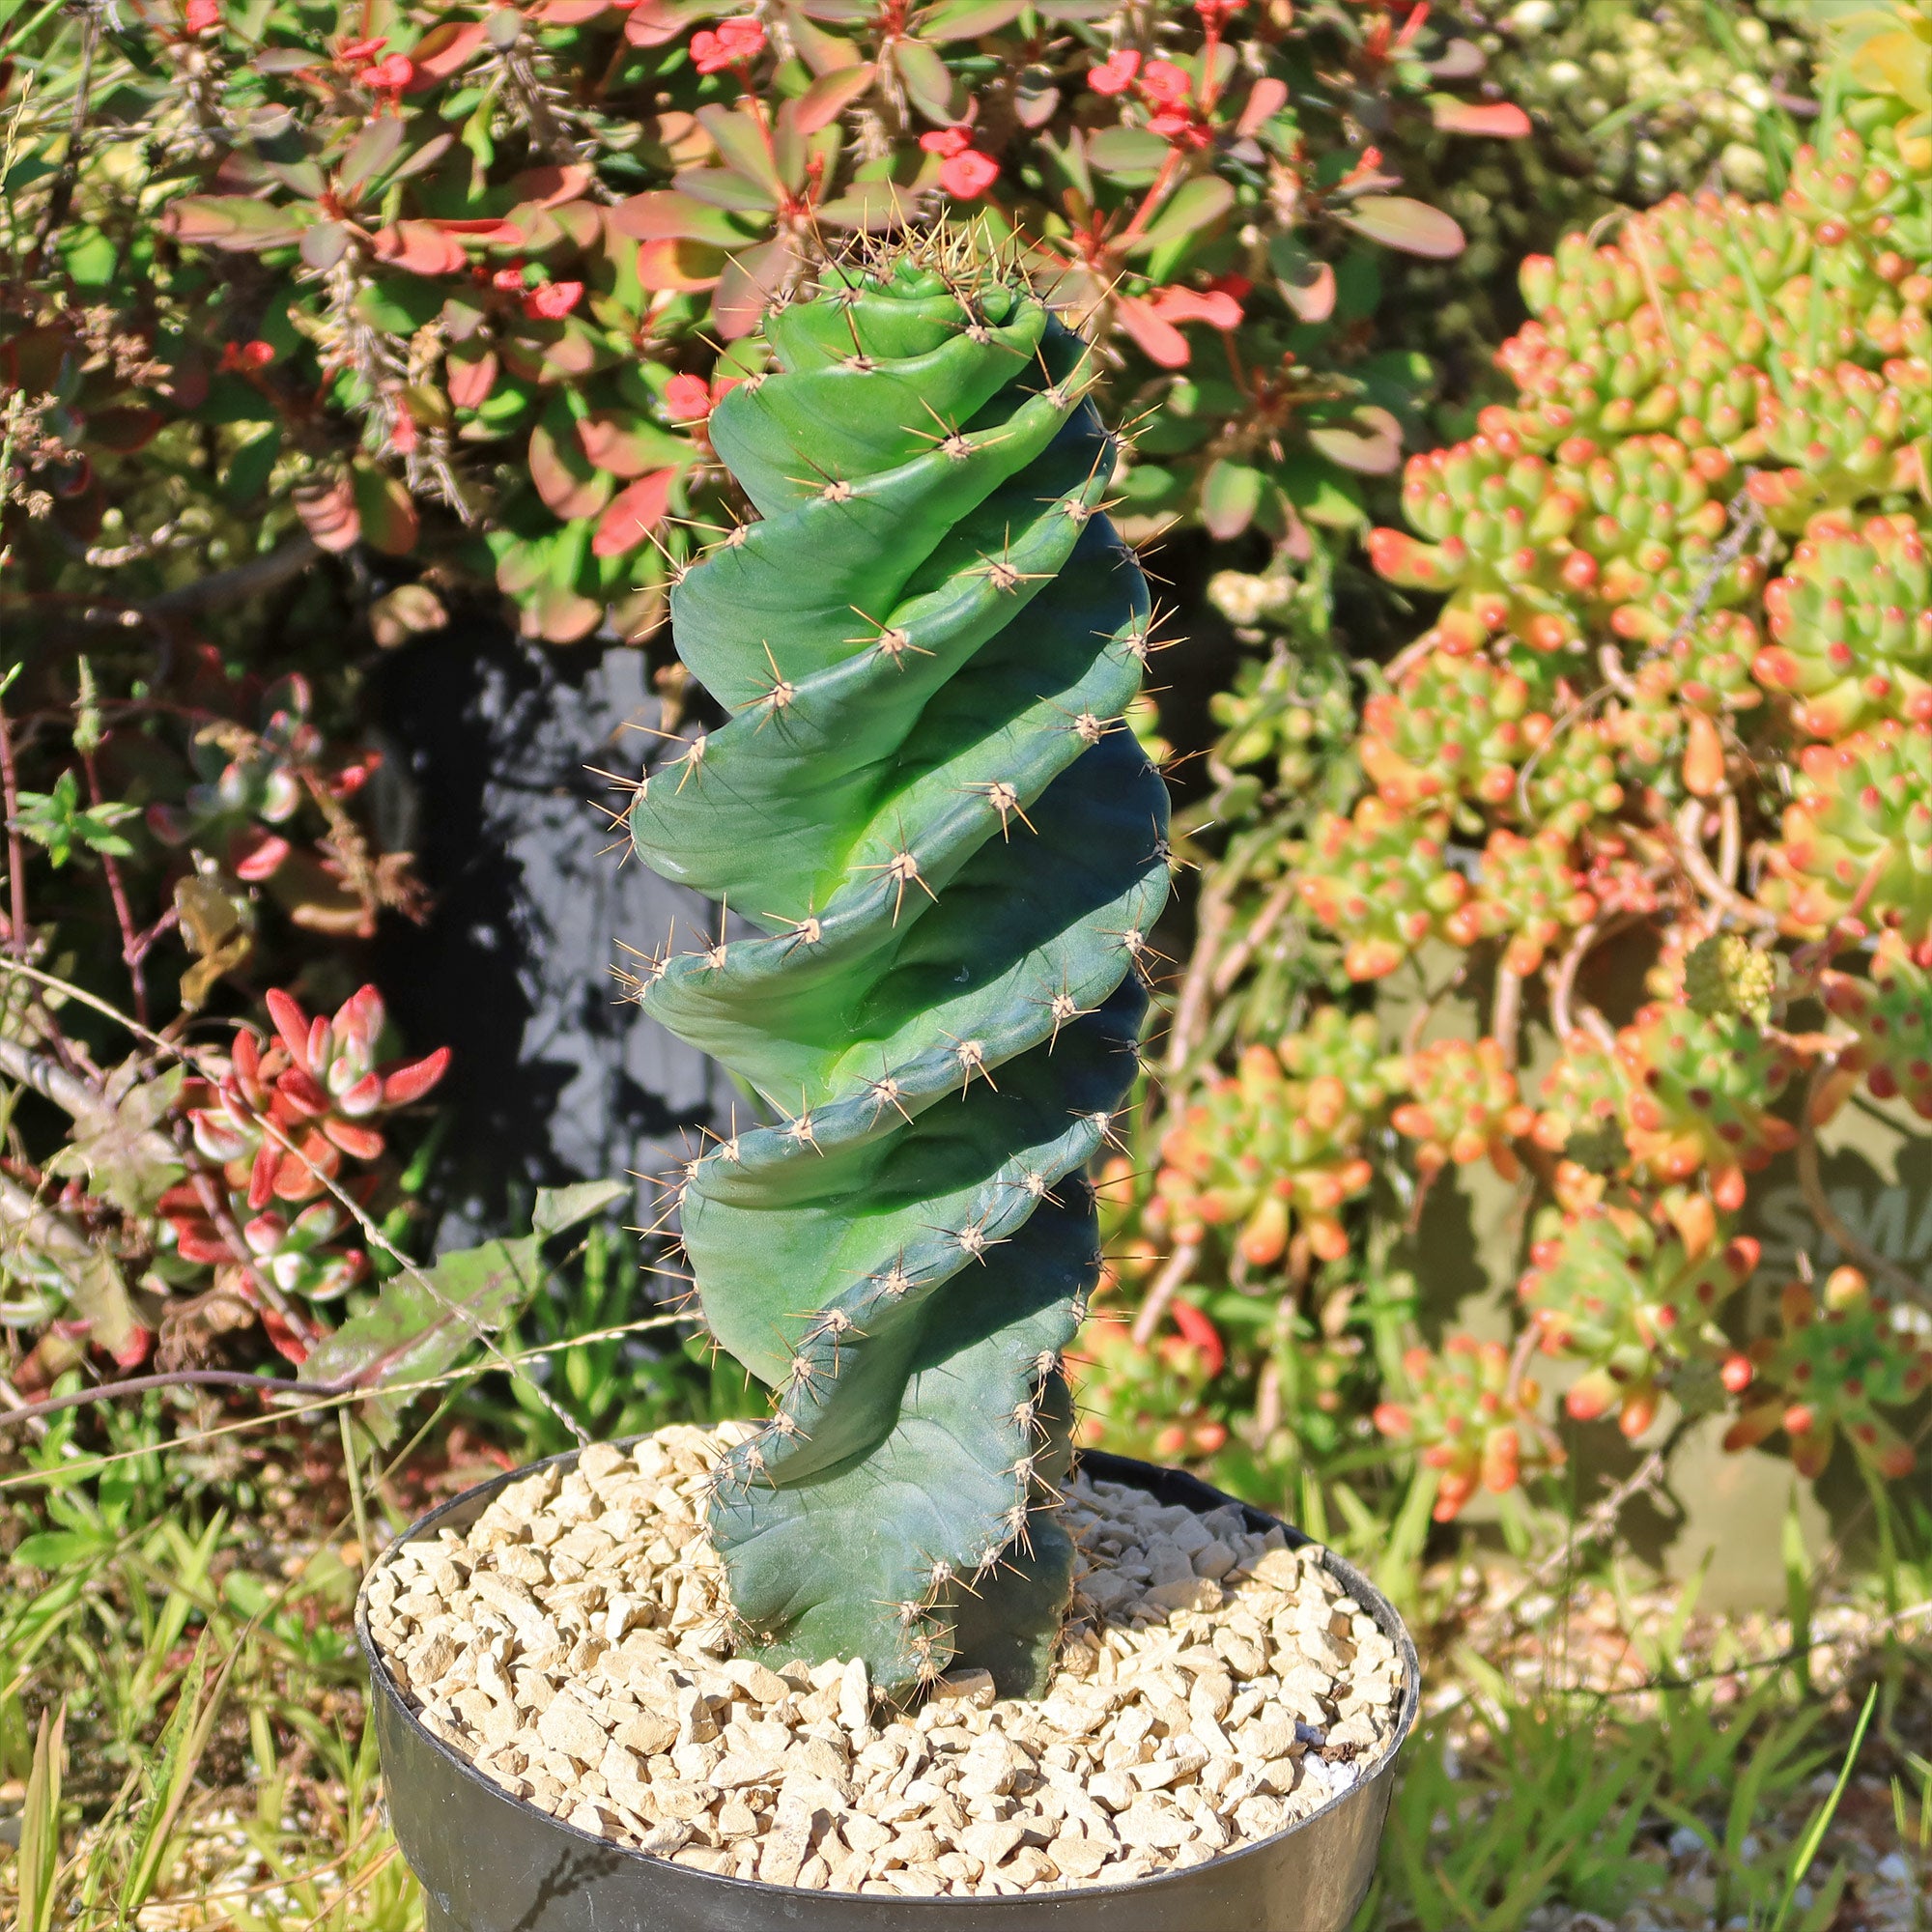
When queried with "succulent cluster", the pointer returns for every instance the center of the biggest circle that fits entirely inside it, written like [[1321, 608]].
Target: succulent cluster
[[1470, 1420], [1669, 726], [1631, 1300], [1276, 1147], [1838, 1360], [279, 1125]]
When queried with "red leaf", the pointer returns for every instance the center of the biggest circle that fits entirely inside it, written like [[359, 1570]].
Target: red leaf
[[470, 377], [1157, 340], [679, 264], [411, 1082], [1216, 307], [1502, 119], [291, 1022], [382, 502], [441, 51], [664, 214], [1266, 100], [1201, 1335], [564, 478], [254, 854], [747, 284], [357, 1141], [655, 22], [232, 221], [422, 247], [327, 511], [632, 515], [551, 186]]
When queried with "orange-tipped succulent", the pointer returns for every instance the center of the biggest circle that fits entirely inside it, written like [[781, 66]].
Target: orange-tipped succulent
[[1466, 1420], [1632, 1300], [1464, 1105], [1838, 1360], [1278, 1145]]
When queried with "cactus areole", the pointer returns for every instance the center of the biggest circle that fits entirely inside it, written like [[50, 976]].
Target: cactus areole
[[949, 852]]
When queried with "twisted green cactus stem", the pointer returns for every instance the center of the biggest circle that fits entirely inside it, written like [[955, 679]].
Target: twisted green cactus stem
[[949, 853]]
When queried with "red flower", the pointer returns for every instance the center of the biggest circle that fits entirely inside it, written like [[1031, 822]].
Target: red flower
[[735, 41], [359, 54], [1214, 14], [1116, 73], [969, 175], [510, 280], [242, 356], [1165, 84], [391, 76], [198, 15], [553, 301], [946, 141], [687, 398]]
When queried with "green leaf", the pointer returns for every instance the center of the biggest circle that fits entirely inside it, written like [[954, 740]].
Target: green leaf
[[928, 79], [236, 222], [560, 1208], [424, 1321], [56, 1548], [1400, 221], [967, 20], [1231, 493], [38, 1867], [1130, 154], [1320, 493], [1194, 205]]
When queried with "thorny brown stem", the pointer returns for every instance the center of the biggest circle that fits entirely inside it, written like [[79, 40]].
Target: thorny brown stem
[[1602, 1520], [1190, 1011]]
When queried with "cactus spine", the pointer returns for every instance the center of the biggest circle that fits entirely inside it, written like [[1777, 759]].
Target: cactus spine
[[949, 855]]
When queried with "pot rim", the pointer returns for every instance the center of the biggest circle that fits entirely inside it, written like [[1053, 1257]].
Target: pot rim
[[1153, 1477]]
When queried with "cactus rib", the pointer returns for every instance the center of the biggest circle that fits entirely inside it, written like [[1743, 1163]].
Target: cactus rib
[[951, 855]]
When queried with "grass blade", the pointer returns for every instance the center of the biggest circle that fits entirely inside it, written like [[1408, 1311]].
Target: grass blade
[[40, 1827]]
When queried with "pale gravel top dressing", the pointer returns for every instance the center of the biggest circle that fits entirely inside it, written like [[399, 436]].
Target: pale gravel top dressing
[[1214, 1689]]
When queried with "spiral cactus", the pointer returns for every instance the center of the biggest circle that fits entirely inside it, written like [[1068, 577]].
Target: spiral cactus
[[951, 855]]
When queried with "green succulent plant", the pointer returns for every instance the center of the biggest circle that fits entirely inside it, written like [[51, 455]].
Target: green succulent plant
[[951, 853]]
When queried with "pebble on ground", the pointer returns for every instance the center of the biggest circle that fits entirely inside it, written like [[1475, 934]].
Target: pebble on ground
[[1212, 1688]]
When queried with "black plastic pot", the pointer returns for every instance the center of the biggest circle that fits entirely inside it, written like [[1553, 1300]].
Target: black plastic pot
[[490, 1863]]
